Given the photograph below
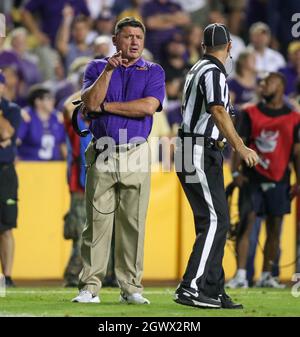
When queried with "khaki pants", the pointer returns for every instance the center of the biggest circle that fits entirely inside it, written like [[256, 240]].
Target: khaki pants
[[127, 192]]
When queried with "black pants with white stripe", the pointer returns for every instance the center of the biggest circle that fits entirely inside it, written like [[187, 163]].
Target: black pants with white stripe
[[207, 198]]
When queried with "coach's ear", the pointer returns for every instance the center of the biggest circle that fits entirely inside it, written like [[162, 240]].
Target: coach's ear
[[114, 40]]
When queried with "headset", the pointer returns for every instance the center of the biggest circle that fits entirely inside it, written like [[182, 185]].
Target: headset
[[80, 108]]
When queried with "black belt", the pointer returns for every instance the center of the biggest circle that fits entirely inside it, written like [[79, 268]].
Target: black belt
[[209, 142]]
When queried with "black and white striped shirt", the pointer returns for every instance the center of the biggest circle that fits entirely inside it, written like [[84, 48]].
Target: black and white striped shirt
[[204, 87]]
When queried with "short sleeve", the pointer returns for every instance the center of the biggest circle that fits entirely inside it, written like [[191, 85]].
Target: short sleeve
[[91, 73], [155, 86], [213, 87]]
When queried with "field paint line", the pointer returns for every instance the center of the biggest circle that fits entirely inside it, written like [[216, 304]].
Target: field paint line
[[149, 292], [166, 292], [8, 314]]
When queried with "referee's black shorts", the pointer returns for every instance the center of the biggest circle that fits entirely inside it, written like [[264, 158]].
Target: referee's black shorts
[[8, 197]]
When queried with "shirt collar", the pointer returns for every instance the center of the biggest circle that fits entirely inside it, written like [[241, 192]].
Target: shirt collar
[[139, 63], [217, 62]]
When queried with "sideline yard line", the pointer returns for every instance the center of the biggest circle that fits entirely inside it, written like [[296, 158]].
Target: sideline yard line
[[107, 292], [267, 291], [9, 314]]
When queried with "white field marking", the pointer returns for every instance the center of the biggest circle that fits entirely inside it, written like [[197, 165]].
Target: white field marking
[[8, 314], [242, 292], [62, 291]]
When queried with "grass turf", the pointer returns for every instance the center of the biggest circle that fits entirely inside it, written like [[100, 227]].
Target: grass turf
[[55, 301]]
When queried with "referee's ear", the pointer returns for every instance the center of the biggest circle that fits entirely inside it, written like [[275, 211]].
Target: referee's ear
[[229, 47]]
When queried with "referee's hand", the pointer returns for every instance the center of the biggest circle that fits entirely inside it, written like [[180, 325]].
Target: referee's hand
[[249, 156]]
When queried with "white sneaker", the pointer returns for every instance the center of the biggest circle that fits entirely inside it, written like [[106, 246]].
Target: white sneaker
[[269, 282], [135, 298], [236, 282], [86, 296]]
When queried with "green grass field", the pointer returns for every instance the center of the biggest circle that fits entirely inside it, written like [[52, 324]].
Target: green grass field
[[55, 301]]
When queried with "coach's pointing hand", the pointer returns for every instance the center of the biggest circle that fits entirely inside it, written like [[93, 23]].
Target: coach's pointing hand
[[249, 156], [115, 61]]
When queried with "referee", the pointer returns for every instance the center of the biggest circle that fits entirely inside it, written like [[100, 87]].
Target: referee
[[205, 130]]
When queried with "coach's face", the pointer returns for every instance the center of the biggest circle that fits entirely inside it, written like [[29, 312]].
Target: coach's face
[[130, 40]]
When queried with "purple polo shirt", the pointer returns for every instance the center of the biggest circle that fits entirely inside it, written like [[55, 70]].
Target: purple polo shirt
[[50, 13], [140, 80]]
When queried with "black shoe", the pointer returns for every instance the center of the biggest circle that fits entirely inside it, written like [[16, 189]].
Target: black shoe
[[227, 303], [9, 283], [191, 297]]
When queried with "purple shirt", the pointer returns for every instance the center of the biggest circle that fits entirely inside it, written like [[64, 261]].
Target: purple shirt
[[242, 94], [41, 140], [156, 38], [140, 80], [291, 77], [50, 13]]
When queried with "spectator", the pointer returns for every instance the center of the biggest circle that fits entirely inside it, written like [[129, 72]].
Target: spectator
[[96, 7], [272, 129], [173, 90], [50, 16], [234, 11], [202, 12], [42, 136], [8, 57], [78, 28], [120, 5], [14, 88], [267, 59], [9, 123], [104, 25], [133, 10], [163, 19], [175, 58], [193, 39], [292, 70], [242, 85], [256, 10], [101, 47], [70, 85], [28, 61]]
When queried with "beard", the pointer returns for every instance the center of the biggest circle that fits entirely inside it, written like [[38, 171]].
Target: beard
[[268, 98]]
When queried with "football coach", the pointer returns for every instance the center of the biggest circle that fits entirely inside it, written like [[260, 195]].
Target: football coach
[[125, 90]]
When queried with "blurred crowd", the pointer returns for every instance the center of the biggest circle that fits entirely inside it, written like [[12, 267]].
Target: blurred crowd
[[49, 43]]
